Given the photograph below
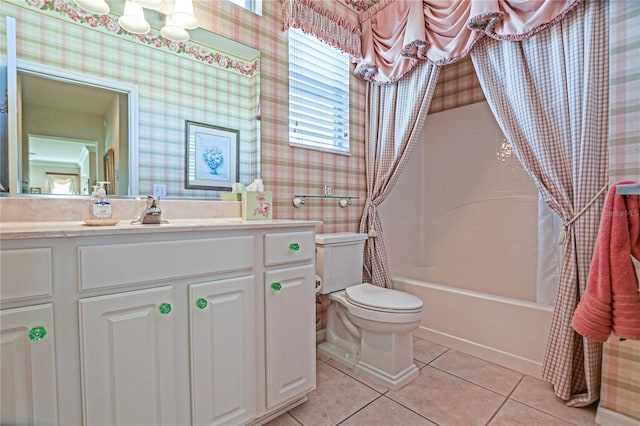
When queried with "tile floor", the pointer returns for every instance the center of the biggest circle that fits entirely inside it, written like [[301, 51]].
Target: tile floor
[[453, 389]]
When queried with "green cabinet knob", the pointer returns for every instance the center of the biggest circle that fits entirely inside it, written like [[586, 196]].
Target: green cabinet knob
[[37, 333], [164, 308], [294, 246], [276, 286], [201, 303]]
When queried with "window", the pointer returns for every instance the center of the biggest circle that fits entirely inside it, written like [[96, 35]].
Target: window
[[253, 5], [318, 94]]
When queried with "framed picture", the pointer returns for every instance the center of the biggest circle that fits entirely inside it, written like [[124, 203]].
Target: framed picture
[[110, 171], [211, 157]]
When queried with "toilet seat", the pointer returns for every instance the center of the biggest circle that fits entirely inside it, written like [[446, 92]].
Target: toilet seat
[[379, 299]]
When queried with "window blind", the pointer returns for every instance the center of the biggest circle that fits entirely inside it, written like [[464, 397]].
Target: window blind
[[318, 94]]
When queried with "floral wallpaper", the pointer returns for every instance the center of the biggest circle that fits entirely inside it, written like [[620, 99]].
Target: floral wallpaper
[[109, 23]]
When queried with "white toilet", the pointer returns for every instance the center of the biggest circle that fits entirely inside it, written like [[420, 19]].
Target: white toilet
[[369, 328]]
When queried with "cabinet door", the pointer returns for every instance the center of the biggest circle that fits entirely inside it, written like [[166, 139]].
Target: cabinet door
[[223, 348], [28, 377], [127, 352], [290, 333]]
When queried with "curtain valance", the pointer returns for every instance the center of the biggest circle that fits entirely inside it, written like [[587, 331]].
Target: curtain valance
[[398, 33], [311, 16]]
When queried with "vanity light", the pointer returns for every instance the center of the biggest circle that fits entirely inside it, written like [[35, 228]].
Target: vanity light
[[132, 19], [174, 32], [99, 7], [183, 14]]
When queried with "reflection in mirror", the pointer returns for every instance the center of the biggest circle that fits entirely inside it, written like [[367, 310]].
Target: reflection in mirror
[[210, 80], [58, 158], [253, 5]]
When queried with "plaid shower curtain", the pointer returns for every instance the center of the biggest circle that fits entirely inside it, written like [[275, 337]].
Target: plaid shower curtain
[[394, 117], [549, 93]]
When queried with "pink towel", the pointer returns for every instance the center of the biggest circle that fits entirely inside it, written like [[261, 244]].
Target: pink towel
[[611, 301]]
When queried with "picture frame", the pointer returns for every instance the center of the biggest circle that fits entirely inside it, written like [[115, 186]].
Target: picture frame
[[211, 156], [110, 170]]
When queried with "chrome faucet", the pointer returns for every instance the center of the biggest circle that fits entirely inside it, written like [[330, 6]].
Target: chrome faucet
[[152, 214]]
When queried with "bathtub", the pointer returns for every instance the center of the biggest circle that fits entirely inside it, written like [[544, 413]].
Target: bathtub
[[509, 332]]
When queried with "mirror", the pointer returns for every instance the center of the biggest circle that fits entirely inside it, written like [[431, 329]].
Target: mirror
[[210, 80], [73, 133]]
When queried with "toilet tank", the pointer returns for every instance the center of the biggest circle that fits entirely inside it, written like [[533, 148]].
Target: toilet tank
[[339, 260]]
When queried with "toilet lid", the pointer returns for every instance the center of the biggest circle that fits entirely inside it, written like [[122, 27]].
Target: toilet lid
[[383, 299]]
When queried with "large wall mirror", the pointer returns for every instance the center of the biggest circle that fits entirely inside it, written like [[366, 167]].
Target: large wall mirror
[[96, 104]]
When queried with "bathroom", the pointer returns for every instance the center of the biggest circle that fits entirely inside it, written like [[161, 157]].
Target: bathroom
[[287, 171]]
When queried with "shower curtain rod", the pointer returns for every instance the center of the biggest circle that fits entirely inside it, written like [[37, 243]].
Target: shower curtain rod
[[628, 189]]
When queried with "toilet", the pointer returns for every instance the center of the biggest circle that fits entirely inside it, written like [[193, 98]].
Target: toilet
[[369, 328]]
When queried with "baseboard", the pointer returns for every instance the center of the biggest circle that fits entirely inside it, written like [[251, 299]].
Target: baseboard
[[606, 417], [321, 335], [496, 356]]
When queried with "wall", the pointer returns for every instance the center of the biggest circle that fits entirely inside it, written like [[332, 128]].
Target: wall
[[285, 170], [467, 209], [620, 391], [173, 86]]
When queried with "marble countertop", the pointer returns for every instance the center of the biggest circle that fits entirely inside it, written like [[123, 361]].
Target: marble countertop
[[42, 229]]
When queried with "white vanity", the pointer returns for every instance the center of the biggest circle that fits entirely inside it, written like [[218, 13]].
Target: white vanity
[[203, 321]]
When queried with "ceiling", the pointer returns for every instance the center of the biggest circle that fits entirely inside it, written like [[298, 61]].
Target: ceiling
[[47, 93]]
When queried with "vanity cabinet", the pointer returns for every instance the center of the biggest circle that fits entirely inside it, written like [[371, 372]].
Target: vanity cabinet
[[214, 325], [128, 361], [223, 342], [27, 338], [28, 366], [290, 333]]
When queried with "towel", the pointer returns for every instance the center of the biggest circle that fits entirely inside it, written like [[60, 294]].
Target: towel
[[611, 302]]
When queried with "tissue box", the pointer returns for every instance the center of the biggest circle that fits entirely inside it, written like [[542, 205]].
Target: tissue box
[[257, 205], [231, 196]]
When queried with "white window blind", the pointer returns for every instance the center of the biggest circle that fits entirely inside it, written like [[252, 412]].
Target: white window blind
[[318, 94]]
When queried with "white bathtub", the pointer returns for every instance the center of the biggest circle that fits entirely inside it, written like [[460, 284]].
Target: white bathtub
[[509, 332]]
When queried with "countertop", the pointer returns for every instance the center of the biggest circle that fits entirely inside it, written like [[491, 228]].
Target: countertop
[[42, 229]]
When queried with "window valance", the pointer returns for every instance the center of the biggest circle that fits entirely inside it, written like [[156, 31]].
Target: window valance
[[398, 33], [312, 16]]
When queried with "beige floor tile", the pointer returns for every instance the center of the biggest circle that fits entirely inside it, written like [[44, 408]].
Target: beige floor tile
[[385, 412], [320, 357], [419, 364], [514, 413], [283, 420], [337, 396], [448, 400], [426, 351], [347, 370], [491, 376], [539, 394]]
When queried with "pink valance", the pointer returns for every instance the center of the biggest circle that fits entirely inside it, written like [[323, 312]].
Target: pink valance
[[312, 17], [398, 33]]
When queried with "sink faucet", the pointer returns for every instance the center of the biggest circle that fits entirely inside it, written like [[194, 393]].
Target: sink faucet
[[151, 215]]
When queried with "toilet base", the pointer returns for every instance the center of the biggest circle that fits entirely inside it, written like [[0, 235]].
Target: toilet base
[[392, 381], [337, 353]]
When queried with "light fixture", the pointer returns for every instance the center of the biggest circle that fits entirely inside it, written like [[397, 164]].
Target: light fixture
[[99, 7], [149, 4], [174, 32], [132, 18], [183, 14]]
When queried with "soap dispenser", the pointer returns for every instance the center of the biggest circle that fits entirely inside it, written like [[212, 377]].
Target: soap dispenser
[[100, 205]]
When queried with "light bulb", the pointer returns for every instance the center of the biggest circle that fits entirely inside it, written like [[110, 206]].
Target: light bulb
[[174, 32], [183, 15], [133, 20], [99, 7]]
